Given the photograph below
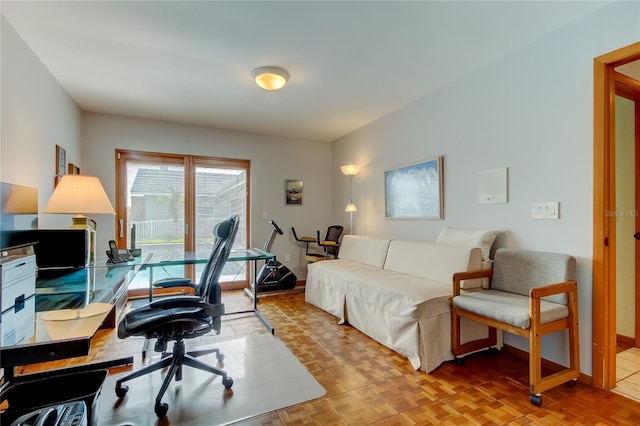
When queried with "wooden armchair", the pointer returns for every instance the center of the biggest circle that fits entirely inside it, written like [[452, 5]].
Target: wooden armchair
[[530, 294]]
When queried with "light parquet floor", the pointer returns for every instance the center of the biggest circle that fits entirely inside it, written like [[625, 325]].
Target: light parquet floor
[[368, 384]]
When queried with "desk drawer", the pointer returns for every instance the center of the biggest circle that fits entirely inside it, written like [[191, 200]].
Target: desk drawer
[[17, 327], [18, 270], [16, 294]]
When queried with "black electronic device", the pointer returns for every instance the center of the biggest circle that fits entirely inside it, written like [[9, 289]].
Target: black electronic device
[[117, 255], [67, 414]]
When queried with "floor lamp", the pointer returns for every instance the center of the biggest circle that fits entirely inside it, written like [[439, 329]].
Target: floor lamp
[[80, 195], [350, 170]]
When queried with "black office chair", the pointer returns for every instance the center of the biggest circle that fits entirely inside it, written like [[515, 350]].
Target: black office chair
[[183, 317]]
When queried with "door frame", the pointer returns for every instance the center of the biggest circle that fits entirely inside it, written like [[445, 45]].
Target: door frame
[[604, 227]]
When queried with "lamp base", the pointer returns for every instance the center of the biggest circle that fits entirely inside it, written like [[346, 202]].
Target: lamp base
[[82, 222]]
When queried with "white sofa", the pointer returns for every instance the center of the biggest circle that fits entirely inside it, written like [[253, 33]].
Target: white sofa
[[398, 293]]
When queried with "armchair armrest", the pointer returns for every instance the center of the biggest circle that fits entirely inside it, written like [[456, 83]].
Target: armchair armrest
[[557, 288], [469, 275]]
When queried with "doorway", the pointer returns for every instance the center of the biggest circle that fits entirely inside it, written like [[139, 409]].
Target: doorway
[[627, 128], [604, 223]]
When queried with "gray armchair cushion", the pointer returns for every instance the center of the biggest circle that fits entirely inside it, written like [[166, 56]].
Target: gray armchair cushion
[[507, 307], [518, 271]]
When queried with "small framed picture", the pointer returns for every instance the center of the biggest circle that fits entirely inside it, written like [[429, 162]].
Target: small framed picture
[[61, 161], [293, 192], [73, 169]]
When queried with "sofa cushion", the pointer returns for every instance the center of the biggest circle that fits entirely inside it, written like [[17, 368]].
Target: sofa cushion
[[431, 261], [482, 239], [367, 250], [507, 307]]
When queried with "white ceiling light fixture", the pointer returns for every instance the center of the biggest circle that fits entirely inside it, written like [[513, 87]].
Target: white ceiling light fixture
[[270, 78]]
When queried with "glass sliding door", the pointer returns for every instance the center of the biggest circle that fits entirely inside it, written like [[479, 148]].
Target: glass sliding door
[[170, 203], [221, 191]]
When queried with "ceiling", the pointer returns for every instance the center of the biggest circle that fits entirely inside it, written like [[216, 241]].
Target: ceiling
[[350, 62]]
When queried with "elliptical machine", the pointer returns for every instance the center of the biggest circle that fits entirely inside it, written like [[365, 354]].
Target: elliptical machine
[[273, 276]]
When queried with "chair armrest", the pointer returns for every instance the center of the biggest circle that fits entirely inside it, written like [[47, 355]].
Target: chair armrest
[[469, 275], [176, 302], [216, 310], [328, 243], [302, 239], [188, 302], [548, 290], [174, 282]]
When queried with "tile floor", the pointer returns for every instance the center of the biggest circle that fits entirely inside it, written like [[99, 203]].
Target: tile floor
[[628, 373]]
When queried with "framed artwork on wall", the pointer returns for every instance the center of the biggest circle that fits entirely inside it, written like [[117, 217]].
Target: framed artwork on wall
[[61, 161], [293, 192], [73, 169], [415, 191]]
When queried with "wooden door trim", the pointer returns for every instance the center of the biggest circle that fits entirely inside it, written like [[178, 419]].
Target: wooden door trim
[[603, 262], [629, 88]]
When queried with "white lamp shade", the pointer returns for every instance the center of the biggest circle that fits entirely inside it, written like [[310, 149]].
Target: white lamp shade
[[351, 208], [350, 169], [79, 194], [23, 200]]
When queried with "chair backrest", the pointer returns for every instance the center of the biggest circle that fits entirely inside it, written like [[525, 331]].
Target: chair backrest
[[518, 271], [225, 234], [333, 234]]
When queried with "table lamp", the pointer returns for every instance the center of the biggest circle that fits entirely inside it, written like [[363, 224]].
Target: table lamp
[[80, 195]]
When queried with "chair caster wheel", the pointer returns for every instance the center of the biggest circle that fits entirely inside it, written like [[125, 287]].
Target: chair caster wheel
[[460, 361], [220, 357], [536, 400], [572, 383], [227, 382], [121, 390], [161, 410]]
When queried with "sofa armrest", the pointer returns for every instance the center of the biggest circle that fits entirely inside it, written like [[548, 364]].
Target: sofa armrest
[[468, 275]]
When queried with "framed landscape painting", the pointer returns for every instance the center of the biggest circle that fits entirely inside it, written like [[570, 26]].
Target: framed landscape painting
[[414, 191]]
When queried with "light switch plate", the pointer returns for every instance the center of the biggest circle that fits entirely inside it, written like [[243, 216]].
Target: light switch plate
[[546, 210]]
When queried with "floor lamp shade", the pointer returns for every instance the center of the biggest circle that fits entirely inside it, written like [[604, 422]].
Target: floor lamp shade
[[80, 195]]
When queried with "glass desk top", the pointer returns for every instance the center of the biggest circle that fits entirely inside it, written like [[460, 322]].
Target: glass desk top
[[84, 295], [64, 313], [186, 258]]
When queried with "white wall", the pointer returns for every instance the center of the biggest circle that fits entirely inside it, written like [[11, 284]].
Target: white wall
[[273, 160], [531, 112], [36, 115]]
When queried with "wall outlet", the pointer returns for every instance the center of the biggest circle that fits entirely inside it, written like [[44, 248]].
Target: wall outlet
[[546, 210], [265, 215], [287, 257]]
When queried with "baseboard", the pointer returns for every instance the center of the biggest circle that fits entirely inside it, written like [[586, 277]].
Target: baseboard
[[553, 366], [625, 340]]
